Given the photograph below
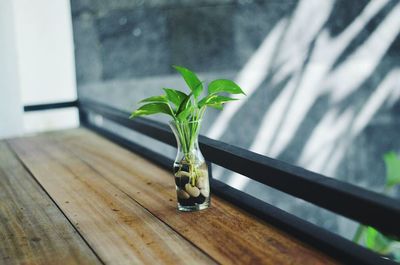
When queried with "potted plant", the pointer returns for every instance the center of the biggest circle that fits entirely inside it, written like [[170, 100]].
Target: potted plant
[[187, 110], [386, 245]]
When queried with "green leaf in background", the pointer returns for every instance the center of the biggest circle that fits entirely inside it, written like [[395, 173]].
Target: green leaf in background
[[370, 237], [223, 85], [191, 79], [214, 100], [392, 163], [162, 99], [152, 108], [175, 96], [373, 239], [376, 241]]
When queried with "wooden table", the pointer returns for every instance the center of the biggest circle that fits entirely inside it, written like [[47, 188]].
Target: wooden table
[[73, 197]]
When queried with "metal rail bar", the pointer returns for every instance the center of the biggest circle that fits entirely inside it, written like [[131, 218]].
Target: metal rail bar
[[338, 247], [367, 207], [48, 106]]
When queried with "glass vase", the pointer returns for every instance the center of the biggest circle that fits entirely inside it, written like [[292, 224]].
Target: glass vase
[[190, 168]]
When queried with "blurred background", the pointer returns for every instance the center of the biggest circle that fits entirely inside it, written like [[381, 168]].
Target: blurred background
[[322, 77]]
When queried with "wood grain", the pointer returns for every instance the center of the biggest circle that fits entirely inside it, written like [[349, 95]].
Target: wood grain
[[117, 228], [32, 229], [225, 232]]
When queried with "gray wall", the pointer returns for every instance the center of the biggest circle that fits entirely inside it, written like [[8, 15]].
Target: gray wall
[[323, 77]]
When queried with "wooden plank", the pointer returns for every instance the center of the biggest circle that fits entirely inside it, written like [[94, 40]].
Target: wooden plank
[[115, 226], [225, 232], [32, 229]]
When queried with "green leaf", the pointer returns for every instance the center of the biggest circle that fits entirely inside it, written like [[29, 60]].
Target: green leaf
[[217, 106], [161, 98], [186, 103], [191, 80], [392, 163], [152, 108], [182, 116], [370, 237], [214, 99], [375, 240], [175, 96], [224, 85]]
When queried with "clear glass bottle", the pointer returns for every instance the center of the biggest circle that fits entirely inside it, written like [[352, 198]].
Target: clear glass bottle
[[190, 168]]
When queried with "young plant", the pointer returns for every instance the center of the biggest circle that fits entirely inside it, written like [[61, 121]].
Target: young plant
[[373, 239], [185, 109]]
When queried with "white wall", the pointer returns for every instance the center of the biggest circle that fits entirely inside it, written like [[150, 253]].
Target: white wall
[[10, 101], [45, 50], [39, 65]]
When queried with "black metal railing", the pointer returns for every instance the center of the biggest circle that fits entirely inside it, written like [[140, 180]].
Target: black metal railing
[[47, 106], [361, 205]]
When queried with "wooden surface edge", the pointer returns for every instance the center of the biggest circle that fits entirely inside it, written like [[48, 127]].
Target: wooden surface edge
[[119, 229], [33, 230], [254, 240]]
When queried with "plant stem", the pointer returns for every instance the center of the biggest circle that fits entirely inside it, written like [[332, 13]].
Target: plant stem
[[187, 133]]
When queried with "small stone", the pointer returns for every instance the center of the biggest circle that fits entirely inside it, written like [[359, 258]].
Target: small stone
[[187, 202], [181, 181], [182, 194], [182, 167], [205, 192], [193, 191], [201, 182], [200, 199], [203, 173], [182, 173]]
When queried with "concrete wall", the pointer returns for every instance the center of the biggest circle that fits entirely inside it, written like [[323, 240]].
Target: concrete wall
[[322, 77]]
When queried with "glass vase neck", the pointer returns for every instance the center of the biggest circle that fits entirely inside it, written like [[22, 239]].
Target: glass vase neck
[[186, 134]]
